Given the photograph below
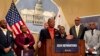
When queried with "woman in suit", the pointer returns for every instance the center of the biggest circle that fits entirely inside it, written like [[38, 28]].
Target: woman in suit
[[62, 32], [24, 42]]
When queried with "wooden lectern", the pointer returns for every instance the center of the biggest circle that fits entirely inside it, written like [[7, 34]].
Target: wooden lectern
[[48, 49]]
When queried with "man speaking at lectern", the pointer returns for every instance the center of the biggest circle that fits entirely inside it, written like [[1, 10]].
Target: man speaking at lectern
[[49, 33]]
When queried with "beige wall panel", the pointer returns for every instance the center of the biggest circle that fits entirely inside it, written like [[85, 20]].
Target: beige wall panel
[[78, 8]]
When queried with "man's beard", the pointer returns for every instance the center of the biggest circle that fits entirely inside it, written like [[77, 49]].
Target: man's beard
[[4, 27]]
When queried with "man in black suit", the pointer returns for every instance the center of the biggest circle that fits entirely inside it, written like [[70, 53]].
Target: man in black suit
[[48, 33], [78, 29], [6, 40]]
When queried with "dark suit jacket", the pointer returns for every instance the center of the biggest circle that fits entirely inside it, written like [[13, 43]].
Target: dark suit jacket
[[44, 34], [6, 41], [81, 32], [62, 37]]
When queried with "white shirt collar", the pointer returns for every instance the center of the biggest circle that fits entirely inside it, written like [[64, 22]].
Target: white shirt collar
[[77, 26], [4, 30], [94, 30]]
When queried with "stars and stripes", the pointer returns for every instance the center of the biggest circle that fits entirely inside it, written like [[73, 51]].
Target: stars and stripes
[[14, 19]]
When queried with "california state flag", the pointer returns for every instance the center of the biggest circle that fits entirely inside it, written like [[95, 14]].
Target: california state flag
[[61, 20]]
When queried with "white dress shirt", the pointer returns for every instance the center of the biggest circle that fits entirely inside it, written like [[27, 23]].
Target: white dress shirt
[[4, 31], [77, 29]]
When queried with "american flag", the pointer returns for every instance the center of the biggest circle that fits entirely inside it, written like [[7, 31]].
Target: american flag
[[14, 20]]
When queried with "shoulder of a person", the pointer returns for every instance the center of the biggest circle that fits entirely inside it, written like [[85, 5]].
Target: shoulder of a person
[[97, 30], [56, 29], [87, 31], [82, 25], [72, 27], [43, 29], [9, 31], [19, 34], [29, 34]]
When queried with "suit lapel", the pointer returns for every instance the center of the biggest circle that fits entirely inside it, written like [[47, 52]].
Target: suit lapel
[[7, 33], [91, 37], [94, 33], [74, 32], [47, 31], [48, 34], [55, 32], [2, 33], [80, 32]]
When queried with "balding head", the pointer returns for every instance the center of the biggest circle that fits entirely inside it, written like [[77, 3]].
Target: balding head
[[51, 22], [77, 21], [3, 23], [77, 18]]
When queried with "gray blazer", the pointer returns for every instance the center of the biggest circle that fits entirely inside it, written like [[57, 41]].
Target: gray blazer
[[92, 41]]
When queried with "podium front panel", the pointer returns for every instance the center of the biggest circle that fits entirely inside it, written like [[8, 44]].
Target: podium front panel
[[48, 49]]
